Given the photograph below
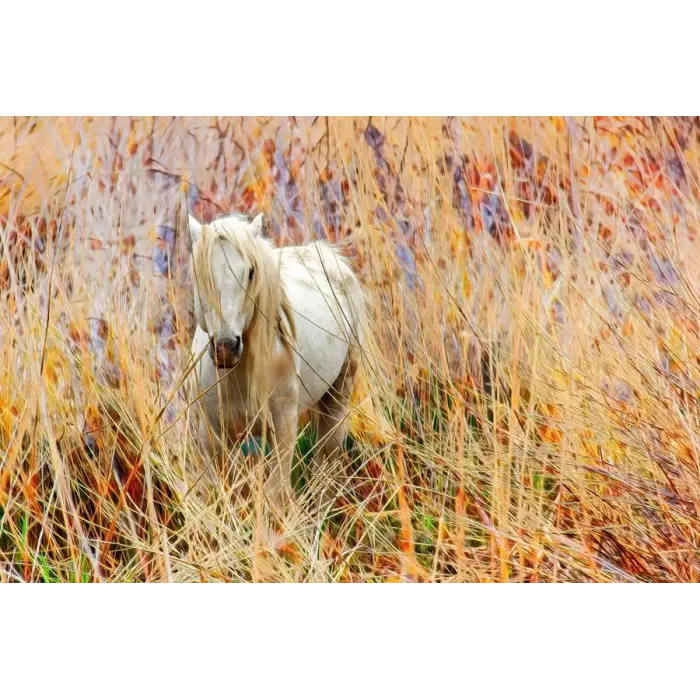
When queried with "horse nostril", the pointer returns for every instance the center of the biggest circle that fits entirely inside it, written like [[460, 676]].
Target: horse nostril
[[237, 345]]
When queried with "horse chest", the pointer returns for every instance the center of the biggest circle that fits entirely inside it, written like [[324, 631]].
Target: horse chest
[[225, 401]]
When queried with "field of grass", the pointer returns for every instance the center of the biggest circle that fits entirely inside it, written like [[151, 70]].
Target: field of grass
[[534, 287]]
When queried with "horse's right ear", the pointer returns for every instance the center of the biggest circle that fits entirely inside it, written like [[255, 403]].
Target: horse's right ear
[[195, 231], [185, 224]]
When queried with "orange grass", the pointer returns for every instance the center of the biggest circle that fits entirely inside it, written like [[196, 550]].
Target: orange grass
[[534, 296]]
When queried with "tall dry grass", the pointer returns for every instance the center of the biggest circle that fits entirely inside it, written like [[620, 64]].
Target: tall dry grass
[[535, 302]]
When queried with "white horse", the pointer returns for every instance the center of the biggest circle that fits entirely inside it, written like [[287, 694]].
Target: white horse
[[279, 332]]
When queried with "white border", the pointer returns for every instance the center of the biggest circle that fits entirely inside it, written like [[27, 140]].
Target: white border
[[601, 641], [378, 57]]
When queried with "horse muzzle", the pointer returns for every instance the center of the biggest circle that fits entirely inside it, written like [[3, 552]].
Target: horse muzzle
[[226, 352]]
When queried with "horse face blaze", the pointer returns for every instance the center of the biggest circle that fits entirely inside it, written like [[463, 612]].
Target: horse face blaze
[[227, 323], [232, 275]]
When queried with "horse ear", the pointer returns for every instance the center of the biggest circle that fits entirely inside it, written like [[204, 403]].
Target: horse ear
[[257, 226], [195, 231], [185, 224]]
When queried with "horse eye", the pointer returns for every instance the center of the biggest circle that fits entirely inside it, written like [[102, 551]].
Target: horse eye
[[250, 273]]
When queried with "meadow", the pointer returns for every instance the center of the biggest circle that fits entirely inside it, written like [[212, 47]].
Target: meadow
[[529, 409]]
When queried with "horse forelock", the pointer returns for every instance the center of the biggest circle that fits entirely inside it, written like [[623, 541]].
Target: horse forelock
[[213, 233]]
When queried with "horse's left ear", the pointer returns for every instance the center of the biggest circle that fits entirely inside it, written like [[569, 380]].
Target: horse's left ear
[[257, 226]]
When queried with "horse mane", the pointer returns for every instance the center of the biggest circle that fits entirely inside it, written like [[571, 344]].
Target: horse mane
[[272, 316]]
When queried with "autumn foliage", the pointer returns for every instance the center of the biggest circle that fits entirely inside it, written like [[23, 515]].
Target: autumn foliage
[[533, 381]]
